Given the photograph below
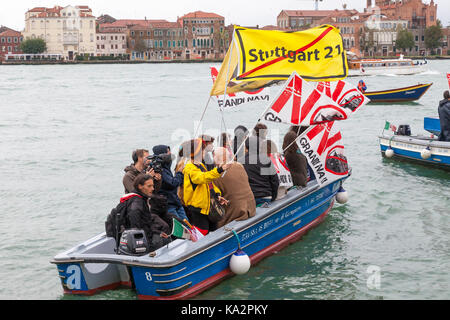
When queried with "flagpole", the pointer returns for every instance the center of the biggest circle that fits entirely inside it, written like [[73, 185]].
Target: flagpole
[[226, 84], [201, 118]]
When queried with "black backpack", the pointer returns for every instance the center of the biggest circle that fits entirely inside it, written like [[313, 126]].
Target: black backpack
[[116, 221]]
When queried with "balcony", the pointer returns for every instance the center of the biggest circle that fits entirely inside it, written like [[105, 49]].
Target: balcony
[[70, 41]]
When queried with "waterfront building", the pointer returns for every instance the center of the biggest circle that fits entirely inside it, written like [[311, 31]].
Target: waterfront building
[[10, 41], [122, 25], [381, 32], [351, 26], [161, 40], [69, 30], [111, 43], [205, 35], [418, 14], [301, 19]]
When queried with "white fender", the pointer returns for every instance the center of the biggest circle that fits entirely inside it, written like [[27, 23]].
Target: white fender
[[425, 153], [239, 262], [389, 153], [342, 196]]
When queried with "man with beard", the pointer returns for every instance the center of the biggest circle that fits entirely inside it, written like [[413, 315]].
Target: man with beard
[[139, 165]]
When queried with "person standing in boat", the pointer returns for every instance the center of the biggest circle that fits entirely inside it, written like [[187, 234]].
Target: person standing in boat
[[235, 188], [208, 145], [240, 134], [444, 117], [139, 213], [297, 162], [139, 165], [262, 175], [197, 184], [362, 86], [170, 184]]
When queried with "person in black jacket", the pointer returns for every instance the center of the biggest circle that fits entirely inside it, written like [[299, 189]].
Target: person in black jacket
[[170, 184], [444, 117], [139, 214], [297, 162], [262, 176]]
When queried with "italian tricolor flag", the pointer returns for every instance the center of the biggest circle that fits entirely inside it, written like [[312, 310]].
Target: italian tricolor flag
[[179, 230], [390, 126]]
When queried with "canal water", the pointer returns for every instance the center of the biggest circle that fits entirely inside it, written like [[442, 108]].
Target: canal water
[[67, 133]]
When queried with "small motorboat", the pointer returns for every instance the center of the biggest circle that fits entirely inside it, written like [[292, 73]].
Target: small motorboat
[[183, 268], [405, 94], [419, 148]]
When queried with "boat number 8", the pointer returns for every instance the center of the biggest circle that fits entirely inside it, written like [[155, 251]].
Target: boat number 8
[[148, 276]]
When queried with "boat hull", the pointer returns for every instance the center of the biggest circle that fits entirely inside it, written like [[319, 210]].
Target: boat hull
[[406, 94], [410, 148], [184, 269]]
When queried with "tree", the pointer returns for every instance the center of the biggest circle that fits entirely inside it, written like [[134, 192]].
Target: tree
[[33, 46], [433, 36], [405, 39]]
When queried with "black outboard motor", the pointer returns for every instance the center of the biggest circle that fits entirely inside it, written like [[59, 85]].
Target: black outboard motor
[[404, 130], [133, 242]]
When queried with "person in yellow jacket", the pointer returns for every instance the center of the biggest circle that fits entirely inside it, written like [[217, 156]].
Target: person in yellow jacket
[[196, 185]]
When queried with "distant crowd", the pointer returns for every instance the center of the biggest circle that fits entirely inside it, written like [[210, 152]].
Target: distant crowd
[[235, 173]]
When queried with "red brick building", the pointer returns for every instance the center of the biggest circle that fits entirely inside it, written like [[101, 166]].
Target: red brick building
[[419, 14], [159, 40], [10, 41], [205, 34]]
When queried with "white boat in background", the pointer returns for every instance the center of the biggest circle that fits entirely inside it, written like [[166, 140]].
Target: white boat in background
[[370, 67]]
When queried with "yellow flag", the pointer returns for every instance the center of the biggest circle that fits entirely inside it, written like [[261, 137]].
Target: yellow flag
[[256, 58]]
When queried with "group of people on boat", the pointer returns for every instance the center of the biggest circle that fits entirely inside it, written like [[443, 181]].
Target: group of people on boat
[[237, 172]]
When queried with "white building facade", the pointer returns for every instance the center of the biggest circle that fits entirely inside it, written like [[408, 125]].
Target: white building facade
[[68, 31]]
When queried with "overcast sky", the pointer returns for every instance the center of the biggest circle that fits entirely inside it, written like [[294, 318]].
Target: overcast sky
[[242, 12]]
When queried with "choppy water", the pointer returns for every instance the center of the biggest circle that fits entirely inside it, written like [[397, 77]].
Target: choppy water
[[67, 132]]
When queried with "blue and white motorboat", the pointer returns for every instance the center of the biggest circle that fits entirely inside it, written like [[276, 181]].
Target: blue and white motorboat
[[423, 149], [183, 268]]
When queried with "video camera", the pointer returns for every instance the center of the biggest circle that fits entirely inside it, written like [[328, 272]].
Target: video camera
[[157, 161]]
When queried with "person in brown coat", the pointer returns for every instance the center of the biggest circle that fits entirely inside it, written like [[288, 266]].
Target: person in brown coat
[[297, 162], [235, 188]]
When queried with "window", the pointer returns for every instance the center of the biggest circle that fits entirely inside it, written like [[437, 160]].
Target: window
[[160, 44]]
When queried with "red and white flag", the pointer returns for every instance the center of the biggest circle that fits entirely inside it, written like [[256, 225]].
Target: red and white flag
[[448, 78], [301, 103], [322, 145]]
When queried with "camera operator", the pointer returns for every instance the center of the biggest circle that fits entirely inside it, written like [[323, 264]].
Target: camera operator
[[139, 165], [170, 182]]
